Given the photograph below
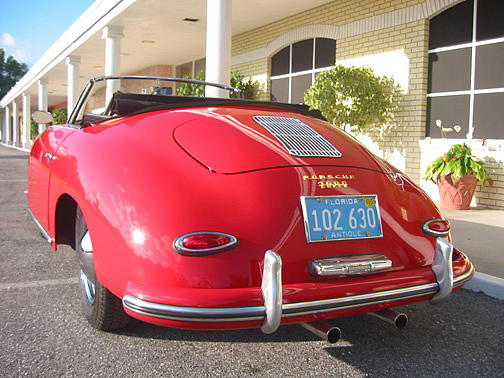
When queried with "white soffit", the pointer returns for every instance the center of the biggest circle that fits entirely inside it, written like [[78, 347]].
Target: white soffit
[[161, 21]]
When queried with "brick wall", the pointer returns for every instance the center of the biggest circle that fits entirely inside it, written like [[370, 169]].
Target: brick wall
[[403, 143]]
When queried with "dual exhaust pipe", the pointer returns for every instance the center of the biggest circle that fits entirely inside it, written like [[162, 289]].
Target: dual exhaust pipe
[[332, 334]]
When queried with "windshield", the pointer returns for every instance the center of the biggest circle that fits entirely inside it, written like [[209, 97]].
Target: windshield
[[113, 96]]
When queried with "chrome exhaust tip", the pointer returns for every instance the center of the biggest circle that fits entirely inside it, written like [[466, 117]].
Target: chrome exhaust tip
[[399, 320], [323, 330]]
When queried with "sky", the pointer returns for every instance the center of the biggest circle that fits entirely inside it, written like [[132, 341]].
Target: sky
[[29, 27]]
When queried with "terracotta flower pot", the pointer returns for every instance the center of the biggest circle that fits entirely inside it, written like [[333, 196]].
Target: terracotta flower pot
[[456, 194]]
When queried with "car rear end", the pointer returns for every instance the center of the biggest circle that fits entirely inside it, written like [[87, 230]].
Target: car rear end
[[292, 221]]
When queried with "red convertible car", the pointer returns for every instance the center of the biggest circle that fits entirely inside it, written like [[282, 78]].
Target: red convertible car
[[211, 213]]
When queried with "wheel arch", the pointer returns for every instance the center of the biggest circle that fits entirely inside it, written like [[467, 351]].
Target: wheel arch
[[65, 215]]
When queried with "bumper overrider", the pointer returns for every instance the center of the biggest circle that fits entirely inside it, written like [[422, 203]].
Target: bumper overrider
[[273, 310]]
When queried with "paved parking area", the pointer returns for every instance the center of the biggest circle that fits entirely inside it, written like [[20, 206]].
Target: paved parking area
[[42, 332]]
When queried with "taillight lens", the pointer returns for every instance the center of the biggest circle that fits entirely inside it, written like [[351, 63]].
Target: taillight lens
[[204, 243], [436, 227]]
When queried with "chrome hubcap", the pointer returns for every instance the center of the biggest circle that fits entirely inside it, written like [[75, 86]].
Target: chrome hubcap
[[87, 284]]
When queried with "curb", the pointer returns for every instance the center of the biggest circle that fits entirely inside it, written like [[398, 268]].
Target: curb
[[489, 285]]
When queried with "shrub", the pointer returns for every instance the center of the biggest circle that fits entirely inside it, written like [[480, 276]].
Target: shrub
[[353, 97], [59, 116], [248, 87]]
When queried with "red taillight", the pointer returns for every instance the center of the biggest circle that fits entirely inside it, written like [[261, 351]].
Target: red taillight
[[204, 243], [436, 227]]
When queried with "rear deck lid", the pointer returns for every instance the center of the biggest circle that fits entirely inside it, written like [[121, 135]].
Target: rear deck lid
[[234, 140]]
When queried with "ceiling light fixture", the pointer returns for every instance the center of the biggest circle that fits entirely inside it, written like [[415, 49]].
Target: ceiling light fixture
[[147, 42], [188, 19]]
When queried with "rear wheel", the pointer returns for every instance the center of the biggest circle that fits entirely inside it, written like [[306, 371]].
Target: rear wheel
[[103, 310]]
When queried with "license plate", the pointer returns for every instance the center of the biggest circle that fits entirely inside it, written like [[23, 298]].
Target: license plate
[[330, 218]]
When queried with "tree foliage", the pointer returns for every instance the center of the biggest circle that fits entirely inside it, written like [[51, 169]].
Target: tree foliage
[[195, 90], [10, 72], [59, 116], [353, 97], [248, 87]]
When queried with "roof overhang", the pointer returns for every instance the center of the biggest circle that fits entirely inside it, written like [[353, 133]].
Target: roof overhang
[[155, 34]]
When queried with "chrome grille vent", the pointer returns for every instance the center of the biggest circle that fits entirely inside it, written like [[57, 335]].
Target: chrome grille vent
[[297, 137]]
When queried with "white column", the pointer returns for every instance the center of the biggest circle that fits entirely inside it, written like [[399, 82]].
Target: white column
[[7, 125], [15, 122], [218, 46], [112, 36], [25, 137], [42, 101], [2, 125], [72, 81]]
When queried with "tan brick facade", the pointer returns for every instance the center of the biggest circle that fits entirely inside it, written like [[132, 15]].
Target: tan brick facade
[[406, 137]]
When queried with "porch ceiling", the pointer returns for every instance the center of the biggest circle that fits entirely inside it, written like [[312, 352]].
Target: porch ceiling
[[175, 41]]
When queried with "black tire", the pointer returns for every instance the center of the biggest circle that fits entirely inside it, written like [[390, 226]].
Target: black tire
[[102, 309]]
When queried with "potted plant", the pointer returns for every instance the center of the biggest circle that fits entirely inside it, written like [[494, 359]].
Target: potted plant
[[456, 174]]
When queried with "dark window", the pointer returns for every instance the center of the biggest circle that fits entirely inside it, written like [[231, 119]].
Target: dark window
[[489, 115], [280, 90], [299, 85], [302, 56], [490, 19], [445, 32], [296, 58], [451, 111], [280, 62], [325, 52], [489, 66], [450, 70]]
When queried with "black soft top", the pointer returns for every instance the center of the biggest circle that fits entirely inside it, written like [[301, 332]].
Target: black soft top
[[123, 104]]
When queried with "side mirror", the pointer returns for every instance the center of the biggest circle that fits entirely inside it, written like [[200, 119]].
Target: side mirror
[[42, 117]]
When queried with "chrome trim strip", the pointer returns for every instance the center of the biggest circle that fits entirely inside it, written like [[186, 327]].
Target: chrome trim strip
[[350, 264], [271, 288], [196, 314], [442, 266], [233, 314], [42, 230]]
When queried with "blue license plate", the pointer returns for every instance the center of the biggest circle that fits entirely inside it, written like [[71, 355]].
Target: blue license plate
[[330, 218]]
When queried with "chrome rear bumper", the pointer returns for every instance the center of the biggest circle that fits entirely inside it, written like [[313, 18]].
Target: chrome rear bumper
[[273, 311]]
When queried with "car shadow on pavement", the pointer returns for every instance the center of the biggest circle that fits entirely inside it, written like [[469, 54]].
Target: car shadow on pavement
[[454, 338], [437, 336]]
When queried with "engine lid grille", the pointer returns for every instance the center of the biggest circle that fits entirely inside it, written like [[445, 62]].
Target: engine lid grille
[[297, 137]]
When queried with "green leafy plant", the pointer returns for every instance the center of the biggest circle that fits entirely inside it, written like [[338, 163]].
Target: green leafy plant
[[59, 116], [195, 90], [248, 87], [458, 162], [353, 97], [33, 129]]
